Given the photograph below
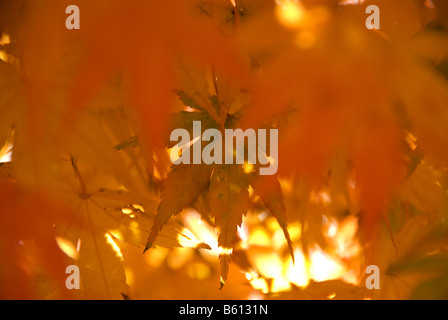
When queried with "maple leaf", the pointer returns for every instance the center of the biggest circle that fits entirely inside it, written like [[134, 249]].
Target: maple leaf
[[182, 186], [107, 216], [223, 203], [406, 260], [100, 265], [229, 201], [227, 196]]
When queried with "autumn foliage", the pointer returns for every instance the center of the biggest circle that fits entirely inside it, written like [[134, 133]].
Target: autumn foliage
[[86, 177]]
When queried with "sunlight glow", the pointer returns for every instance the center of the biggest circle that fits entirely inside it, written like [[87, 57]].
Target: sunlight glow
[[68, 248], [259, 284], [258, 236], [248, 168], [114, 245], [6, 149], [269, 264], [130, 277], [225, 251], [4, 40], [273, 271], [290, 13], [243, 233], [138, 207], [295, 231], [188, 240], [199, 232], [332, 228], [129, 212], [342, 236], [296, 272], [324, 267], [116, 234], [278, 239], [280, 284], [6, 154]]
